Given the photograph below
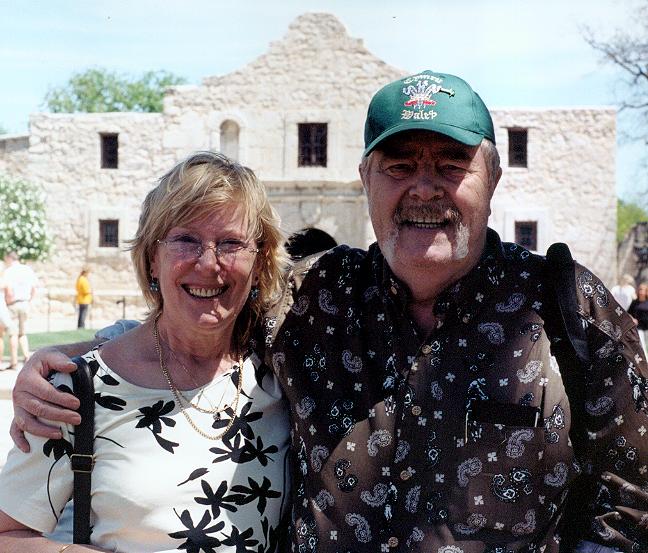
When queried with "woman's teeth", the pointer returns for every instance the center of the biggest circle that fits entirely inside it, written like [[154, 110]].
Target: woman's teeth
[[204, 292]]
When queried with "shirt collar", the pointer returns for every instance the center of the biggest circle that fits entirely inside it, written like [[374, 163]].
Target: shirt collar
[[488, 272]]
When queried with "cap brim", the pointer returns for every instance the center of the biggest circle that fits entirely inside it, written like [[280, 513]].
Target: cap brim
[[469, 138]]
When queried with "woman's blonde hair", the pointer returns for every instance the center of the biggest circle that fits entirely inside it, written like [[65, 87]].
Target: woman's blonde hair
[[204, 182]]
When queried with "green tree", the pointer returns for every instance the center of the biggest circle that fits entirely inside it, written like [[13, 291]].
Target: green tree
[[628, 215], [100, 90], [3, 130], [22, 219]]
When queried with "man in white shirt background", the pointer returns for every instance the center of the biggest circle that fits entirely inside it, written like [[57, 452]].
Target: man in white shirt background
[[20, 289]]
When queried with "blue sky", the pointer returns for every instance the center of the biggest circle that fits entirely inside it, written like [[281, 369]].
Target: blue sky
[[515, 53]]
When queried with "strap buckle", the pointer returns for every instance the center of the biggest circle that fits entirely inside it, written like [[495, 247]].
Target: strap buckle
[[82, 463]]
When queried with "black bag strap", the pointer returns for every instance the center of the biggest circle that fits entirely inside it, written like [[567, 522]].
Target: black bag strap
[[569, 347], [561, 267], [82, 458], [567, 334]]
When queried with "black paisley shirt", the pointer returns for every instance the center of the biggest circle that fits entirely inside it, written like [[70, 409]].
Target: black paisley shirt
[[459, 442]]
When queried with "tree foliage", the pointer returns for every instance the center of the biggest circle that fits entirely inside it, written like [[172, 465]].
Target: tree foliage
[[627, 50], [628, 215], [100, 90], [23, 227]]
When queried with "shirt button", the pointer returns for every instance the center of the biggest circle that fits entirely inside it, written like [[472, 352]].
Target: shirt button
[[405, 475], [416, 410], [392, 542], [394, 290], [426, 349]]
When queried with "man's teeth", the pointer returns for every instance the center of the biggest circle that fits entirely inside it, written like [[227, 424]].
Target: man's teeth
[[427, 222], [204, 292]]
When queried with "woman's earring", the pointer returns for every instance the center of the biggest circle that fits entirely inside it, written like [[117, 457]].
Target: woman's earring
[[154, 285], [254, 292]]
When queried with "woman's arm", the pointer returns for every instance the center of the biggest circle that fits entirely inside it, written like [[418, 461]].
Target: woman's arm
[[18, 538]]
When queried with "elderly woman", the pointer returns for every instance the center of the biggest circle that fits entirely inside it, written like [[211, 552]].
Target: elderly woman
[[191, 433]]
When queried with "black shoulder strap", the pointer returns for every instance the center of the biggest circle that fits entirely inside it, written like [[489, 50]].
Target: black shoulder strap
[[567, 334], [562, 273], [82, 459], [569, 347]]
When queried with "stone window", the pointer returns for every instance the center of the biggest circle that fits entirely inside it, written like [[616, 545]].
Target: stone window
[[517, 147], [526, 234], [312, 144], [108, 233], [109, 150], [229, 139]]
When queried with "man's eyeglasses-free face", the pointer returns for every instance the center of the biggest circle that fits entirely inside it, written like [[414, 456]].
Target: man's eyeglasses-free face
[[188, 247]]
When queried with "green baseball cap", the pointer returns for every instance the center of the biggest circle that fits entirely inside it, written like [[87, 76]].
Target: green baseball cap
[[428, 101]]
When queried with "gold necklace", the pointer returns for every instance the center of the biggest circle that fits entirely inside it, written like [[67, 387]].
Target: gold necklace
[[177, 395], [215, 411]]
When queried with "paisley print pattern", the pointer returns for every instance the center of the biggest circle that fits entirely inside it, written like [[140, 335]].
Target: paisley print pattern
[[468, 469], [318, 454], [530, 371], [444, 443], [362, 531], [515, 444], [380, 438]]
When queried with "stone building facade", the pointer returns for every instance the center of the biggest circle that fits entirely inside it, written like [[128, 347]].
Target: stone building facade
[[295, 115]]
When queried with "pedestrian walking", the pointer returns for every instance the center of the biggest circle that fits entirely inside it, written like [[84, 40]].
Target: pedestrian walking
[[20, 289], [84, 295]]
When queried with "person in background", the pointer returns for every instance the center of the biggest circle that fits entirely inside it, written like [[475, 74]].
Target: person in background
[[639, 310], [84, 296], [7, 326], [625, 292], [20, 283], [307, 242]]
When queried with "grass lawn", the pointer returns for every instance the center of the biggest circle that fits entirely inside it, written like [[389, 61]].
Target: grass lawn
[[42, 339]]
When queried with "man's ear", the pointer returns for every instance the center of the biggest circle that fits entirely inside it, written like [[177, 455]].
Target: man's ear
[[363, 169], [496, 180]]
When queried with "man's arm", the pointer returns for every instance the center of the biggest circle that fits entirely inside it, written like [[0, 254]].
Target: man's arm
[[8, 293], [34, 397], [615, 415]]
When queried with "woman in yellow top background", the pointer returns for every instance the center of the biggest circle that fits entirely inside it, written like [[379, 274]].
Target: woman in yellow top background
[[84, 296]]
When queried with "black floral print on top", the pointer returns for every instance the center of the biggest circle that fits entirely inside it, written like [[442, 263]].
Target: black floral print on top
[[162, 484]]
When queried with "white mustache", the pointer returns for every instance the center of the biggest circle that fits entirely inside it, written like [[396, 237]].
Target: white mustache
[[427, 212]]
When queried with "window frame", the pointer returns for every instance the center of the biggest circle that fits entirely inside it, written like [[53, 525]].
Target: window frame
[[312, 144], [518, 147], [103, 232], [519, 228], [109, 160]]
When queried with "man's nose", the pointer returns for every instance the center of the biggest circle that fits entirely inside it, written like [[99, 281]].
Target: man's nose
[[427, 185]]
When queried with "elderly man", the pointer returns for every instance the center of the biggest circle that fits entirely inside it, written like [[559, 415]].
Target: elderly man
[[428, 413]]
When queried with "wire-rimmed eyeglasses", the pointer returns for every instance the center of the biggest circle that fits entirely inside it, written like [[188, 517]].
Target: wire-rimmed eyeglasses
[[188, 247]]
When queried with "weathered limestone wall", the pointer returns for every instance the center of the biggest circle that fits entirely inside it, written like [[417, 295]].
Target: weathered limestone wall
[[569, 184], [316, 73], [64, 157], [14, 150]]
